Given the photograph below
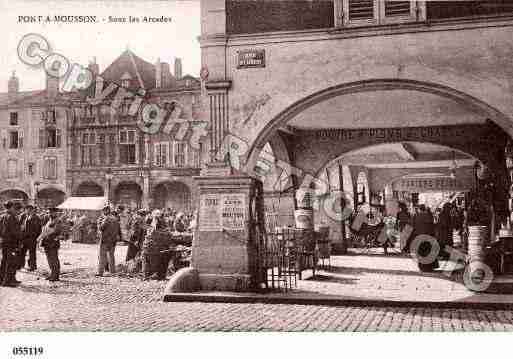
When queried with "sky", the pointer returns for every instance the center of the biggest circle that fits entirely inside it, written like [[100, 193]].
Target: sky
[[80, 42]]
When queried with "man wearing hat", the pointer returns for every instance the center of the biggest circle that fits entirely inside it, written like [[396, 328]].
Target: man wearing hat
[[109, 232], [9, 243], [49, 239], [30, 230]]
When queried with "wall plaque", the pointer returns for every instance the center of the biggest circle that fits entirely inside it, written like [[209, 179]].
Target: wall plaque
[[251, 59]]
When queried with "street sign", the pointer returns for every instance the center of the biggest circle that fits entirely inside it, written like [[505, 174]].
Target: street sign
[[251, 59]]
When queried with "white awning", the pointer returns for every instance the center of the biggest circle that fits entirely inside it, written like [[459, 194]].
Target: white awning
[[84, 203]]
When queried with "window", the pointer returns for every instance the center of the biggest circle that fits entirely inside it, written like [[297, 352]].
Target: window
[[102, 150], [13, 118], [15, 140], [161, 154], [125, 82], [366, 12], [49, 137], [197, 161], [31, 169], [112, 148], [12, 167], [88, 148], [127, 147], [179, 154], [50, 168]]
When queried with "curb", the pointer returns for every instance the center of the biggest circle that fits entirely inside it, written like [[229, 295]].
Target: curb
[[332, 302]]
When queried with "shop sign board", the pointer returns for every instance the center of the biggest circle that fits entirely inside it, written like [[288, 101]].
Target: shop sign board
[[220, 212], [250, 59], [430, 184]]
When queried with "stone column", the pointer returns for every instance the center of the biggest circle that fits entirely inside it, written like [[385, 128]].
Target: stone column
[[217, 107], [224, 256], [146, 190]]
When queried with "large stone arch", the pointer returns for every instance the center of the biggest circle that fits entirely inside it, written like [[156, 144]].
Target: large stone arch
[[13, 194], [128, 193], [50, 196], [88, 189], [172, 194], [271, 120]]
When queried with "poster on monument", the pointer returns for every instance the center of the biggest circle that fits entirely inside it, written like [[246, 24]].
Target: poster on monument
[[233, 217], [210, 214]]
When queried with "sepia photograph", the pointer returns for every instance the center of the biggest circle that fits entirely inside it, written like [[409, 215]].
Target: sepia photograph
[[251, 166]]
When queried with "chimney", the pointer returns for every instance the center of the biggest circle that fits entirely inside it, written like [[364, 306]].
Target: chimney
[[13, 86], [94, 67], [162, 74], [178, 68], [52, 86]]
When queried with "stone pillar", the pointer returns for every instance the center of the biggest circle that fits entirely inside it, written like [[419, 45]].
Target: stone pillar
[[224, 251], [146, 190], [217, 107]]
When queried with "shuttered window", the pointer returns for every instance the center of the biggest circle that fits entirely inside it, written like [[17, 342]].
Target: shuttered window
[[368, 12], [397, 8], [361, 9]]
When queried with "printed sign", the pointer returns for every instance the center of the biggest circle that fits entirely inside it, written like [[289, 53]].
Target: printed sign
[[222, 212], [210, 213], [233, 217], [251, 59]]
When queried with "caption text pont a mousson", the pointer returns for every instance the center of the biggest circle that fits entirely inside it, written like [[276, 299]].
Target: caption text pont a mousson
[[92, 19]]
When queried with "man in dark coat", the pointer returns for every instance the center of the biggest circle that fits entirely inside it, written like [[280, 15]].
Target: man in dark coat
[[109, 232], [10, 244], [137, 232], [49, 239], [30, 229]]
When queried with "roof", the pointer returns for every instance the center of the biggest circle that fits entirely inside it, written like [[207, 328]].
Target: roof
[[138, 69], [36, 97], [84, 203]]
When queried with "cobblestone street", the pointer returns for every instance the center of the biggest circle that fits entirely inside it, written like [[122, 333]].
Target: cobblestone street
[[83, 302]]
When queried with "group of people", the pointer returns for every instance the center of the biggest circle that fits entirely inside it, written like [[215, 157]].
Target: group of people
[[148, 235], [21, 229]]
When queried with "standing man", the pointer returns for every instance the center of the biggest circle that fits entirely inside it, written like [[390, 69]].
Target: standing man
[[50, 238], [109, 233], [30, 230], [9, 243]]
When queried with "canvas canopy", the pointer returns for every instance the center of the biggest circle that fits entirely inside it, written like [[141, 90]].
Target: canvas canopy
[[84, 203]]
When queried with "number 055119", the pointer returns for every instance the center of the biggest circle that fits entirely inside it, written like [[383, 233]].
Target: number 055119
[[27, 351]]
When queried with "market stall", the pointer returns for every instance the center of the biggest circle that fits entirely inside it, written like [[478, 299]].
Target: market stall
[[85, 212]]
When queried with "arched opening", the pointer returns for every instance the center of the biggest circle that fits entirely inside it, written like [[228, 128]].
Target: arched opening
[[174, 195], [50, 197], [386, 130], [379, 94], [89, 189], [13, 195], [128, 194]]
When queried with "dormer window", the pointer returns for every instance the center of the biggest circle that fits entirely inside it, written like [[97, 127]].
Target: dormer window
[[126, 80]]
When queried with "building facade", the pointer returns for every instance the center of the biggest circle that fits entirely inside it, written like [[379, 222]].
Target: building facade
[[33, 143], [317, 80], [109, 155]]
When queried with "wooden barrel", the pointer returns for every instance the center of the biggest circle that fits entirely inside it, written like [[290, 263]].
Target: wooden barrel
[[304, 218], [477, 236]]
